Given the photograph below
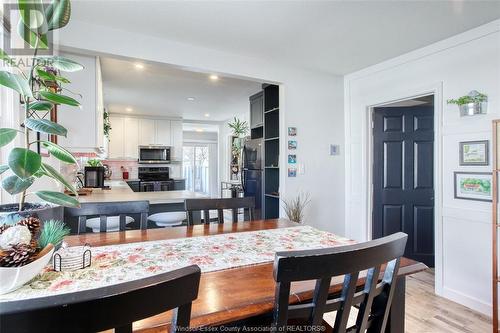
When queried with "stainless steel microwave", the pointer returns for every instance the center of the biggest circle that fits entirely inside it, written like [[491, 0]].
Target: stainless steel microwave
[[154, 154]]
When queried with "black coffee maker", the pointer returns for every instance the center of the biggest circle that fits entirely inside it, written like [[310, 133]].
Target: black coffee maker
[[94, 176]]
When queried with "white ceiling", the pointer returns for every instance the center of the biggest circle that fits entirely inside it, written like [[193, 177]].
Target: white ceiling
[[162, 90], [334, 36]]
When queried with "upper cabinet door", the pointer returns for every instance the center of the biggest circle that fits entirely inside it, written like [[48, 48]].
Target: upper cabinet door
[[177, 139], [257, 110], [147, 132], [131, 137], [116, 138], [163, 133]]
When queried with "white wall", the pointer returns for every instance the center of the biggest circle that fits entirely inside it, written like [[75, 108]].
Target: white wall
[[311, 101], [452, 68]]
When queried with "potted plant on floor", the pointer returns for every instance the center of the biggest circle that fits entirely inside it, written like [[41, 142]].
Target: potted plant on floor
[[294, 208], [40, 87]]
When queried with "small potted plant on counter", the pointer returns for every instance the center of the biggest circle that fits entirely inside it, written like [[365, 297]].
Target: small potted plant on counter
[[40, 89], [471, 104]]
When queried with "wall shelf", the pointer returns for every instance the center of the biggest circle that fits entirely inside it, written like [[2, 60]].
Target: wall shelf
[[271, 151], [272, 110]]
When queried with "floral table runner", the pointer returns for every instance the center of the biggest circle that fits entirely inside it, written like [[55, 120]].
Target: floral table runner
[[120, 263]]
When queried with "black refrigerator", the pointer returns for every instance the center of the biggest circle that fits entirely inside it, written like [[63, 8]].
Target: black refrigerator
[[253, 173]]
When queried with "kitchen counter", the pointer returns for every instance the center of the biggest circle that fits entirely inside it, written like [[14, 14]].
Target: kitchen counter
[[120, 191]]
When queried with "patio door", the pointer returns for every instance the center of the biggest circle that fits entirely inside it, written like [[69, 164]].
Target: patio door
[[199, 167]]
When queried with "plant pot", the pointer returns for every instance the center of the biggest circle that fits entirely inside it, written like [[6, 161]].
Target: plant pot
[[472, 109], [9, 213], [15, 277]]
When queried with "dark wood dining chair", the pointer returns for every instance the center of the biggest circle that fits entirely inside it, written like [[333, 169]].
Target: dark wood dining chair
[[116, 306], [206, 205], [374, 299], [107, 209]]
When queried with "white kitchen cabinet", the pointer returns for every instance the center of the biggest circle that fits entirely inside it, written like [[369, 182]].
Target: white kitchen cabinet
[[85, 124], [147, 132], [163, 133], [131, 137], [128, 133], [177, 139], [116, 142]]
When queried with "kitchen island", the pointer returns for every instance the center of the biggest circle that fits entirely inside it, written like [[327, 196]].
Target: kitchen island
[[120, 191], [159, 202]]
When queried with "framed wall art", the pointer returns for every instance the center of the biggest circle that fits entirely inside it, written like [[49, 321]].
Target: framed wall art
[[473, 185], [474, 153]]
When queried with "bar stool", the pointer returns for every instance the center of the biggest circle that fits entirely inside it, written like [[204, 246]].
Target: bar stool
[[112, 223], [168, 219]]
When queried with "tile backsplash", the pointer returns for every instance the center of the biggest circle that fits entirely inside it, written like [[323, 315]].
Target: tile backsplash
[[69, 171]]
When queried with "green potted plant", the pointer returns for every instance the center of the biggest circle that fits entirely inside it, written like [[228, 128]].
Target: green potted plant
[[471, 104], [40, 87], [294, 207], [239, 131]]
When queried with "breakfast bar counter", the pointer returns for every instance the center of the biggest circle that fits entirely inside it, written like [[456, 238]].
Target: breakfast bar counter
[[120, 191]]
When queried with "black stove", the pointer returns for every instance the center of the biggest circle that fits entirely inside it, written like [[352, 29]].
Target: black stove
[[155, 178]]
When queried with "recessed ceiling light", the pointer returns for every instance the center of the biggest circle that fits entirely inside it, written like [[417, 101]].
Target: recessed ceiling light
[[214, 77], [207, 115], [138, 65], [190, 99], [129, 109], [199, 130]]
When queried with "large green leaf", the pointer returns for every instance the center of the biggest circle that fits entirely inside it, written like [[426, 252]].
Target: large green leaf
[[58, 198], [24, 163], [3, 168], [53, 173], [41, 106], [7, 135], [59, 99], [32, 14], [44, 75], [45, 126], [59, 152], [58, 14], [61, 63], [16, 82], [31, 37], [14, 185]]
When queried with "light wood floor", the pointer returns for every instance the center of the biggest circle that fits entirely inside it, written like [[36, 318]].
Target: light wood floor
[[428, 313]]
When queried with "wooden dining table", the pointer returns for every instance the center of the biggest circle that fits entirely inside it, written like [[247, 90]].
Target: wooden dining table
[[242, 293]]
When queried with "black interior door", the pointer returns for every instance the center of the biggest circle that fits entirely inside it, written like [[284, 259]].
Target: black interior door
[[403, 181]]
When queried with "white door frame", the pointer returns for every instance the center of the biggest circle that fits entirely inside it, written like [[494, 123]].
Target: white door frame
[[437, 91]]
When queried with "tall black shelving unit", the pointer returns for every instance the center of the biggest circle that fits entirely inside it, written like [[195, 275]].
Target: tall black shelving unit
[[271, 151]]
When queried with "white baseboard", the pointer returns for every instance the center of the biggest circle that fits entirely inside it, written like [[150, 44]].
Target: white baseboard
[[468, 301]]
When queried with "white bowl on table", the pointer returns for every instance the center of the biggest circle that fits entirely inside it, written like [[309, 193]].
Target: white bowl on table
[[15, 277]]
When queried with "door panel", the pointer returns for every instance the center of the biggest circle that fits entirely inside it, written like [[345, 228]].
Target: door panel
[[403, 181]]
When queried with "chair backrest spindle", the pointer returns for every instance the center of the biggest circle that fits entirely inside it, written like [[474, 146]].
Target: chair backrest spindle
[[219, 205]]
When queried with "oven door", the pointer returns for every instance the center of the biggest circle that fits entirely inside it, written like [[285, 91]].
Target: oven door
[[151, 154], [147, 186]]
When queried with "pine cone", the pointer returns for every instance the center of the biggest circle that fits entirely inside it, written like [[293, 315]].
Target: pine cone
[[32, 223], [3, 227], [17, 255]]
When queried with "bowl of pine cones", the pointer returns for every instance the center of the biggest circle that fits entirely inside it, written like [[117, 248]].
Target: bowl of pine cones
[[25, 249]]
